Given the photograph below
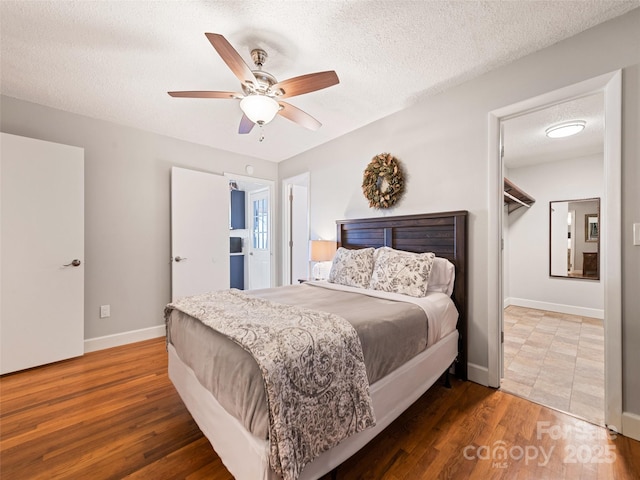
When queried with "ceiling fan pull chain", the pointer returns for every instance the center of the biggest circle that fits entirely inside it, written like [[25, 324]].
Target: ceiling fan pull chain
[[261, 138]]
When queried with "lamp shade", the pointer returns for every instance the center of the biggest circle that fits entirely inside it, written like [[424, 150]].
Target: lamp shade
[[259, 109], [322, 250]]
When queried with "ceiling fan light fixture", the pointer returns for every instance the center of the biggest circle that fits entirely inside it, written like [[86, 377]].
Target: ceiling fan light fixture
[[259, 88], [259, 109], [565, 129]]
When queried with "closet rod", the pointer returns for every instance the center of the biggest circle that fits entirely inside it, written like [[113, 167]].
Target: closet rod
[[517, 200]]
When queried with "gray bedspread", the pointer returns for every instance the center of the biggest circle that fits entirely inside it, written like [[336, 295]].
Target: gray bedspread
[[390, 332]]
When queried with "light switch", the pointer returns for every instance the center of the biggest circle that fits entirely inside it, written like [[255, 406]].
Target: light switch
[[636, 233]]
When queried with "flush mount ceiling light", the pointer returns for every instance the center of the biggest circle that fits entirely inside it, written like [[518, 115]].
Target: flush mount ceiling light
[[565, 129]]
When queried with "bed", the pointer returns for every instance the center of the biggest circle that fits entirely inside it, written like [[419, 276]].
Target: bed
[[239, 437]]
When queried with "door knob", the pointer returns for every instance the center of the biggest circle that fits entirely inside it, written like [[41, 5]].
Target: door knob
[[74, 263], [180, 259]]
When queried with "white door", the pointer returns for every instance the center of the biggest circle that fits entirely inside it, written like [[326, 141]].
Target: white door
[[259, 240], [199, 232], [42, 252]]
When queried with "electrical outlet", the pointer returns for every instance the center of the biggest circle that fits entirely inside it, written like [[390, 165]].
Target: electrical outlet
[[105, 311]]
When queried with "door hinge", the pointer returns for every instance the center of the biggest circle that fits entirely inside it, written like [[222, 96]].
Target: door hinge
[[502, 337], [502, 244]]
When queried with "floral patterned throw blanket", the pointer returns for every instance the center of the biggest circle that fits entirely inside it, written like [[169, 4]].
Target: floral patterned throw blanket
[[312, 365]]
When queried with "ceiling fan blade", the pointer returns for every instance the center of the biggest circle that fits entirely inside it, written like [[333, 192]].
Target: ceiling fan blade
[[296, 115], [206, 94], [306, 83], [232, 58], [245, 125]]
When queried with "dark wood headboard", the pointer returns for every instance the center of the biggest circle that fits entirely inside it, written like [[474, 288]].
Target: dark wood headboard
[[444, 234]]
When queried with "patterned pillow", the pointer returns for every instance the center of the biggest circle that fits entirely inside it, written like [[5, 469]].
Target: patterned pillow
[[352, 267], [401, 272]]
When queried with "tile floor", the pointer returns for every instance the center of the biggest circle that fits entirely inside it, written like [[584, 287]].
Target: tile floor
[[556, 360]]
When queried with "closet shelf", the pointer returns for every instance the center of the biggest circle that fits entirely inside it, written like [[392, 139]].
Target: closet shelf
[[515, 198]]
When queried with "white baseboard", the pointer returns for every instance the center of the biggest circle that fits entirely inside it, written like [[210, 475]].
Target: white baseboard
[[507, 302], [556, 307], [117, 339], [631, 425], [478, 374]]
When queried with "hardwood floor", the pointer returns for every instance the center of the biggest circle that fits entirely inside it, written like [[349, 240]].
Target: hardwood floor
[[114, 414]]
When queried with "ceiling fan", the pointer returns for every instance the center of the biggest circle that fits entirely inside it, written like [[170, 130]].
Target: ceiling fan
[[262, 94]]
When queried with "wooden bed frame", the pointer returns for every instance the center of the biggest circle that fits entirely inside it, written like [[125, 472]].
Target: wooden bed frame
[[444, 234], [246, 456]]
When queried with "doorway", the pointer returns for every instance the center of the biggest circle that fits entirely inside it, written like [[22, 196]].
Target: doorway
[[610, 87], [295, 215], [553, 317], [257, 234]]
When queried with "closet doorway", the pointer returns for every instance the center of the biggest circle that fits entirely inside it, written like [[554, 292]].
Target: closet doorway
[[554, 307], [553, 321]]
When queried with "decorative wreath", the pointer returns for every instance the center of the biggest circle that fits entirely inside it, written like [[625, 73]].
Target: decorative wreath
[[382, 182]]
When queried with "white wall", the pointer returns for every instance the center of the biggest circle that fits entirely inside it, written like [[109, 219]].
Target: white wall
[[443, 144], [528, 238], [127, 228]]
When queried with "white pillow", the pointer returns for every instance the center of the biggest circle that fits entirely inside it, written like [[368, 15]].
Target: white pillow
[[352, 267], [401, 272], [442, 277]]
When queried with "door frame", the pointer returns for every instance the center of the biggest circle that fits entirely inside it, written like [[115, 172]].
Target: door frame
[[610, 84]]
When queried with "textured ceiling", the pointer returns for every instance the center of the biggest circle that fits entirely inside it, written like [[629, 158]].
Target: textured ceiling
[[115, 60], [526, 143]]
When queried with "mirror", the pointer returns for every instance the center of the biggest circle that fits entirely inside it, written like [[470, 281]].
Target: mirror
[[574, 238]]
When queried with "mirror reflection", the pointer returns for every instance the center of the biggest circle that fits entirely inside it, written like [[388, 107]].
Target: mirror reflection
[[574, 238]]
